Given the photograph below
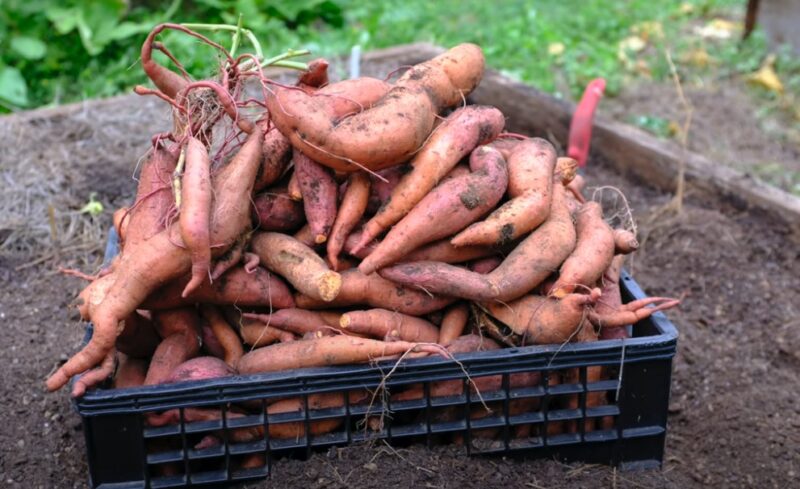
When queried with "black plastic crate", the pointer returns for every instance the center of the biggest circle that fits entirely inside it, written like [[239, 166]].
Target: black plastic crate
[[537, 420]]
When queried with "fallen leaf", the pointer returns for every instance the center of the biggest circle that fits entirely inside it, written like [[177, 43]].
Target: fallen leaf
[[555, 49], [649, 29], [718, 29], [766, 77], [686, 8], [698, 57]]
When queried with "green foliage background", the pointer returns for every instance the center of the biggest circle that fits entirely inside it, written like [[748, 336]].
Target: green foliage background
[[57, 51]]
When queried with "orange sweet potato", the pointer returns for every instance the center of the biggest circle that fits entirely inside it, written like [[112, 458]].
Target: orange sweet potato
[[375, 291], [275, 148], [530, 181], [236, 286], [543, 320], [298, 264], [298, 321], [329, 350], [378, 137], [390, 325], [592, 254], [351, 209], [158, 260], [180, 329], [195, 211], [275, 210], [446, 209], [462, 131], [226, 336], [453, 323], [319, 191]]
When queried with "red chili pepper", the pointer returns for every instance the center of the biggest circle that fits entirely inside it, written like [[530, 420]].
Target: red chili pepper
[[580, 130]]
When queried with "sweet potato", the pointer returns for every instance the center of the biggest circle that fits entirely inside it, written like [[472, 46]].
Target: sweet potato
[[305, 236], [236, 286], [378, 137], [211, 344], [441, 278], [319, 192], [275, 148], [348, 97], [453, 323], [131, 372], [258, 334], [632, 312], [200, 368], [120, 220], [138, 338], [154, 197], [446, 209], [169, 82], [381, 188], [567, 171], [277, 211], [375, 291], [229, 259], [543, 320], [351, 209], [485, 265], [531, 261], [576, 187], [293, 187], [530, 181], [315, 76], [298, 321], [389, 325], [306, 271], [539, 254], [195, 212], [625, 242], [226, 336], [611, 298], [95, 376], [464, 129], [158, 260], [332, 350], [180, 329], [592, 254]]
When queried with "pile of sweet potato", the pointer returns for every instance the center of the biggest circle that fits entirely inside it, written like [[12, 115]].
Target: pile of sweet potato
[[336, 223]]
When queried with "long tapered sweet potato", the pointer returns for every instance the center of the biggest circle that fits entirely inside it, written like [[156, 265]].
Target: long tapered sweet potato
[[530, 181], [195, 211], [158, 260], [463, 130], [277, 211], [543, 320], [275, 148], [625, 242], [319, 192], [453, 323], [237, 287], [382, 323], [180, 329], [298, 264], [229, 259], [330, 350], [538, 255], [592, 255], [258, 334], [376, 291], [611, 298], [351, 209], [154, 197], [298, 321], [528, 264], [392, 129], [169, 82], [446, 209], [225, 335]]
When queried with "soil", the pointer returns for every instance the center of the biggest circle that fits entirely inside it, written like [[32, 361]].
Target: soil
[[734, 413]]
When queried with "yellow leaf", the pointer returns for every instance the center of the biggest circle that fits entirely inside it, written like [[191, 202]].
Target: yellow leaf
[[766, 77], [698, 57], [718, 29], [649, 29], [555, 49], [686, 8], [632, 44]]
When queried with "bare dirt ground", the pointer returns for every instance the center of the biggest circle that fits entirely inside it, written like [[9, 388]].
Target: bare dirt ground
[[735, 417]]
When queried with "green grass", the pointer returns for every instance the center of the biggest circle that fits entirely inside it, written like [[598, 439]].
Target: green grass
[[515, 35]]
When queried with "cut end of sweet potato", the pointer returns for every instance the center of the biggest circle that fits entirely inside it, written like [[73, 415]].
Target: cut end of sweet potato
[[320, 238], [329, 285]]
